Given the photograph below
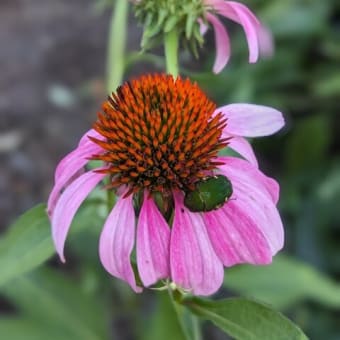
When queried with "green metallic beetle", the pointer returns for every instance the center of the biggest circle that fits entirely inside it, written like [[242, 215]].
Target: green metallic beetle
[[210, 193]]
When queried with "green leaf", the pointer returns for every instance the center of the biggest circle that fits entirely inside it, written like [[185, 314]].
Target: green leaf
[[18, 328], [26, 245], [55, 301], [164, 322], [28, 242], [245, 319], [283, 283]]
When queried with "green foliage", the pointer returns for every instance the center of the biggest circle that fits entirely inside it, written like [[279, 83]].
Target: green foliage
[[26, 245], [48, 300], [305, 18], [20, 328], [245, 319], [164, 322], [284, 283], [308, 144]]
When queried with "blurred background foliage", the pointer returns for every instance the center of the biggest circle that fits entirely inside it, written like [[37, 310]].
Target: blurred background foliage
[[80, 301]]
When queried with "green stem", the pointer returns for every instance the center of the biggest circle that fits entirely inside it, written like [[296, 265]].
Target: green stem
[[188, 322], [171, 52], [116, 45], [116, 59], [196, 327]]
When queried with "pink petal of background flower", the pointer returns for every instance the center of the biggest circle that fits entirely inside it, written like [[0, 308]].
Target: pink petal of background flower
[[258, 37], [222, 43]]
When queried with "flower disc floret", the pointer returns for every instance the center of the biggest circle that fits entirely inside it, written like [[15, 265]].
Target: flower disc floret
[[159, 134]]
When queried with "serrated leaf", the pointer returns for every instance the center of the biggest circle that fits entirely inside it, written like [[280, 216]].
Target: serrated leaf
[[283, 283], [245, 319]]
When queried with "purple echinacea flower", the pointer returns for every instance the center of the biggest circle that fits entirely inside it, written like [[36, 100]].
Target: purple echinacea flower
[[158, 137]]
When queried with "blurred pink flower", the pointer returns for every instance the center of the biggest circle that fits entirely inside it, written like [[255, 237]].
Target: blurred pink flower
[[258, 37], [159, 136]]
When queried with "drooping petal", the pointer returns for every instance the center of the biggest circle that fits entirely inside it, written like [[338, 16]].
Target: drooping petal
[[236, 238], [250, 120], [117, 241], [194, 264], [255, 197], [243, 147], [222, 43], [243, 16], [252, 175], [67, 170], [68, 205], [91, 133], [266, 42], [84, 144], [153, 240]]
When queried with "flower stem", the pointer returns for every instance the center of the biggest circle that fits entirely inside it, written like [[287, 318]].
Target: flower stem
[[196, 327], [188, 322], [171, 52], [116, 45], [116, 59]]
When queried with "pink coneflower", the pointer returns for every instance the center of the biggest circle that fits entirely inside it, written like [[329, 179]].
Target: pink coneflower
[[258, 37], [158, 138]]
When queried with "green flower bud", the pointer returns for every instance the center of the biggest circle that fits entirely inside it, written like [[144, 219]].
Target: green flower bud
[[162, 16]]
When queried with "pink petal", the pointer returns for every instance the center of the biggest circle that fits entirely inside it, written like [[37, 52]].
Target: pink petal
[[84, 144], [250, 120], [67, 206], [242, 147], [254, 196], [222, 43], [117, 241], [242, 15], [203, 27], [194, 264], [251, 174], [91, 133], [153, 238], [266, 42], [67, 169], [235, 236]]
